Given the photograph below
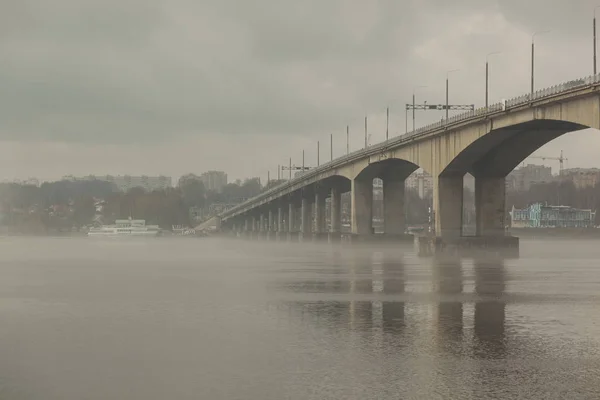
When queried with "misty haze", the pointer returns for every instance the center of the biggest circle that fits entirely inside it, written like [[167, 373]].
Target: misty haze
[[299, 200]]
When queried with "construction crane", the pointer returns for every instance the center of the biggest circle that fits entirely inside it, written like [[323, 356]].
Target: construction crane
[[560, 159]]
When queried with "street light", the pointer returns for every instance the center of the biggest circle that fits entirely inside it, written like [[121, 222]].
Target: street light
[[366, 144], [447, 75], [318, 153], [331, 146], [347, 139], [387, 123], [413, 107], [533, 57], [487, 75], [595, 8]]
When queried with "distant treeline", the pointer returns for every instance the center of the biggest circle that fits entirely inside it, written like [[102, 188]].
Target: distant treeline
[[64, 205]]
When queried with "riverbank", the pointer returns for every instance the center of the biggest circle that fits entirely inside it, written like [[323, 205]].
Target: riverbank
[[559, 233]]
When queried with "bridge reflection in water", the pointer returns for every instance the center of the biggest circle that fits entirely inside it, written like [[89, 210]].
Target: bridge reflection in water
[[384, 293]]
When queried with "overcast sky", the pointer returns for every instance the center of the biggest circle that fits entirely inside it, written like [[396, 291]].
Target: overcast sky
[[177, 86]]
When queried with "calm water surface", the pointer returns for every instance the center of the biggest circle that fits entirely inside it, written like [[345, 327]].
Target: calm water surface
[[210, 319]]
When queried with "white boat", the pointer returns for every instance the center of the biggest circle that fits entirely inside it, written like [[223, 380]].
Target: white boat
[[126, 227]]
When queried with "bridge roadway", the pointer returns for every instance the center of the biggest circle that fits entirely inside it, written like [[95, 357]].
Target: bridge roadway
[[487, 142]]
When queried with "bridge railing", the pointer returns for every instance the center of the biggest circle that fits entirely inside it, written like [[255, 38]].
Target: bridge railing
[[477, 113]]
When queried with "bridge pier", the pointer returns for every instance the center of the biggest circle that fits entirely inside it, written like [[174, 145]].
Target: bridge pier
[[361, 208], [291, 225], [280, 227], [246, 228], [320, 232], [448, 206], [261, 227], [394, 225], [335, 209], [490, 225], [305, 219], [270, 234], [252, 228], [490, 202]]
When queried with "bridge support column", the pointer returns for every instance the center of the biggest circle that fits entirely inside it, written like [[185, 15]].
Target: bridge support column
[[448, 205], [362, 207], [290, 221], [253, 227], [318, 213], [393, 207], [261, 226], [305, 216], [270, 230], [490, 202], [279, 234], [322, 221], [335, 209], [319, 232]]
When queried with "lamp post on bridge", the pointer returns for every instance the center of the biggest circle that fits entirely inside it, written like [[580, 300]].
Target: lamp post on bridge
[[595, 64], [331, 146], [347, 139], [318, 152], [387, 124], [447, 76], [533, 57], [487, 75], [365, 132]]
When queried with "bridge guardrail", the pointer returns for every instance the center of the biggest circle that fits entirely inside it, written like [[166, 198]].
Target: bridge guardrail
[[479, 112]]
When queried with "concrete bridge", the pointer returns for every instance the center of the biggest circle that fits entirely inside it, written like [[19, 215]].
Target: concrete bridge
[[487, 142]]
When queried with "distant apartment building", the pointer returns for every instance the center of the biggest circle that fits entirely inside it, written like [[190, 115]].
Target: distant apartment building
[[124, 183], [581, 177], [539, 215], [214, 180], [422, 182], [522, 178]]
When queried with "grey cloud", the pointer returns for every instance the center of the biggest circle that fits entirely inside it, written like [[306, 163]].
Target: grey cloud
[[151, 70]]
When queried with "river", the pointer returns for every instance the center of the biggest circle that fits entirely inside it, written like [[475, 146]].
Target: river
[[222, 319]]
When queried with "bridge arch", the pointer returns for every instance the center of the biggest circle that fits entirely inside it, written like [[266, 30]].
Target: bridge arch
[[389, 168], [393, 172], [491, 157], [499, 151]]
